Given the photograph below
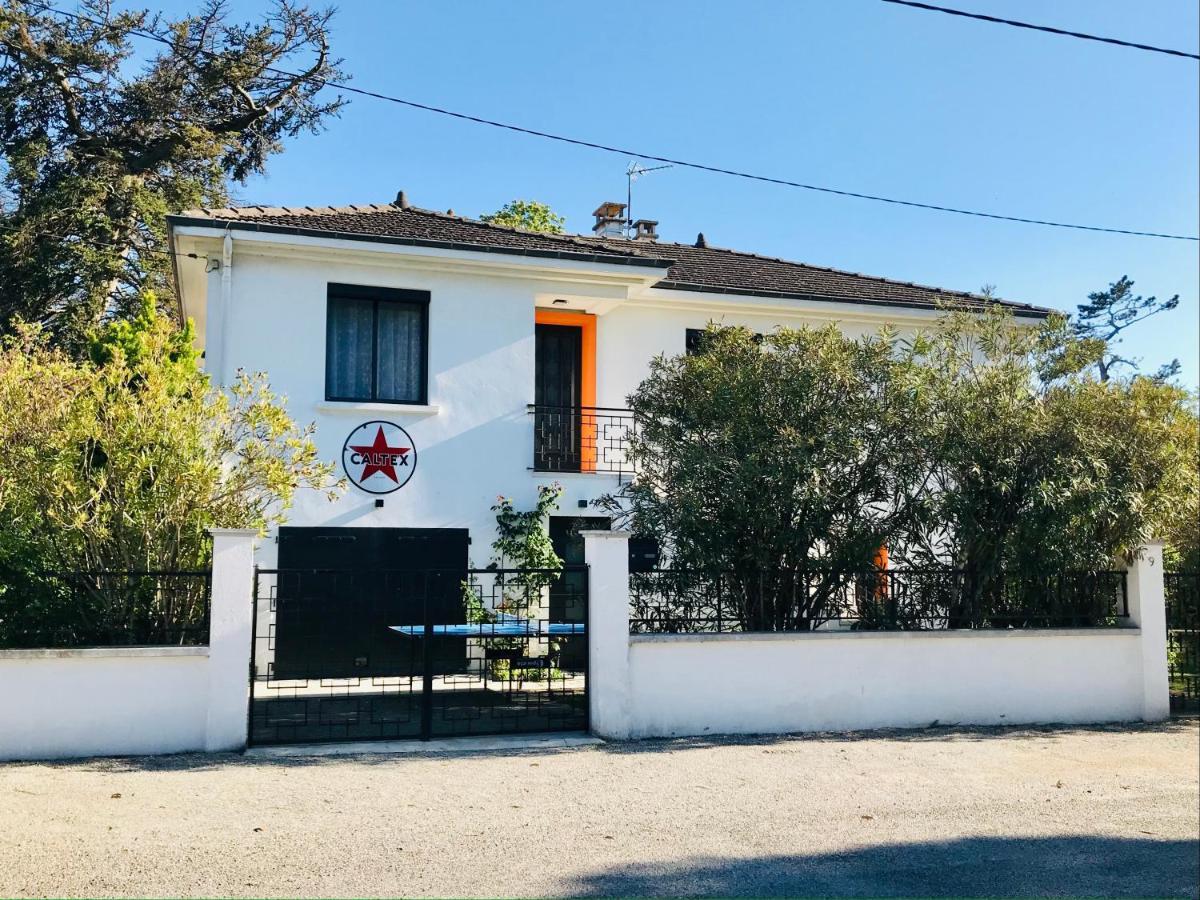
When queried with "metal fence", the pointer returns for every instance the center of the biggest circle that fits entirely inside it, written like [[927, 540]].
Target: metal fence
[[581, 439], [679, 601], [104, 609], [358, 654], [1183, 639]]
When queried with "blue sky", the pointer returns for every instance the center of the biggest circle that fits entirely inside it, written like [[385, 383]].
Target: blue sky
[[854, 94]]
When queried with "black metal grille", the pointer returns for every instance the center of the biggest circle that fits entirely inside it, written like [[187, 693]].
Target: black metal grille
[[348, 655], [1183, 639], [104, 609], [679, 601], [581, 439]]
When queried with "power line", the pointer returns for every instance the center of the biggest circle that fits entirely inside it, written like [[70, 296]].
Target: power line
[[627, 152], [1047, 28], [624, 151]]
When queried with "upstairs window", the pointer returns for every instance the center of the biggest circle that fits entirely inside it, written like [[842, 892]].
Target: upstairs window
[[376, 344]]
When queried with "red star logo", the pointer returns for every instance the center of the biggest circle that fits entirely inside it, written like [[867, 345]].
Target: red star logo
[[379, 457]]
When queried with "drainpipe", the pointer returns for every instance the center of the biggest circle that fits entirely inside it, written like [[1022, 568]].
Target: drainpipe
[[226, 302]]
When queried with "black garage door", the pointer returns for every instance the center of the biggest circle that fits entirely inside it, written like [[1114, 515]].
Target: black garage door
[[342, 588]]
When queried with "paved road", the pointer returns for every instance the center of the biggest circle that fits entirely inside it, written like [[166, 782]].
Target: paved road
[[1101, 811]]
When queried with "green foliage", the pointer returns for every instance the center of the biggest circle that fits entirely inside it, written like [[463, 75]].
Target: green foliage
[[1180, 527], [126, 462], [805, 449], [135, 341], [529, 215], [521, 543], [1041, 466], [984, 445], [1107, 313], [507, 670], [98, 149]]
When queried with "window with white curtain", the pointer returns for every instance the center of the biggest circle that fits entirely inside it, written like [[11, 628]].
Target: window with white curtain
[[376, 344]]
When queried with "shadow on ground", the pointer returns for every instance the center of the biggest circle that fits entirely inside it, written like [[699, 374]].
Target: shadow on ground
[[1084, 866], [940, 733]]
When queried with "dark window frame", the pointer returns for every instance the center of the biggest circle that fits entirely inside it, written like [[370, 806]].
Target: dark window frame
[[378, 295]]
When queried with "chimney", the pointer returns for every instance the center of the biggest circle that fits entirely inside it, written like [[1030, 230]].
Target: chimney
[[610, 220], [645, 230]]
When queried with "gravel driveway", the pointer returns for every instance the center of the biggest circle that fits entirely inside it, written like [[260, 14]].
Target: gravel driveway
[[958, 812]]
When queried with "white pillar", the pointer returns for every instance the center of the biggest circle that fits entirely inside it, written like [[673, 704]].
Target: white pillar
[[607, 556], [1148, 611], [230, 633]]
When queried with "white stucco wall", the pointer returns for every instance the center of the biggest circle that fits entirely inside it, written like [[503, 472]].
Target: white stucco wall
[[475, 440], [102, 702], [632, 334], [696, 684], [118, 701], [744, 684]]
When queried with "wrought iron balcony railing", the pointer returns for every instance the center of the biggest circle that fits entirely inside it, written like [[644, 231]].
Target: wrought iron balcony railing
[[581, 439]]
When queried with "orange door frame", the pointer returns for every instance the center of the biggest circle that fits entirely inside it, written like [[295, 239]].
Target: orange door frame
[[586, 323]]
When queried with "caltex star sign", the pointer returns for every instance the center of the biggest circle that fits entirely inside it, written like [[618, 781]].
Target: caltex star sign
[[379, 457]]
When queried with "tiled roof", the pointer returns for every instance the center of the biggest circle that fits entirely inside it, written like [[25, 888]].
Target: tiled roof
[[717, 270], [388, 222], [691, 268]]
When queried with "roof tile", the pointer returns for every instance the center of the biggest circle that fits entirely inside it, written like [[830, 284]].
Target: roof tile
[[709, 269]]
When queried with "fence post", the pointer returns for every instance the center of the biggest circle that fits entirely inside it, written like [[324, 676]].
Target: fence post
[[1148, 611], [607, 556], [230, 633]]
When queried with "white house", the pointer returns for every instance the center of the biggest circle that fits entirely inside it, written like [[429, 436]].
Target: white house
[[505, 356], [445, 362]]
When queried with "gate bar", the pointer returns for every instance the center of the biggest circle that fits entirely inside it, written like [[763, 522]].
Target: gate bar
[[253, 670], [431, 578]]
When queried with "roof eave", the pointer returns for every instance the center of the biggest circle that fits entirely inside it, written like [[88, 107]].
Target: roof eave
[[1031, 312], [535, 252]]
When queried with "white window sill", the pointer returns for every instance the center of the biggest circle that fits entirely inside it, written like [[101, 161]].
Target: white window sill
[[401, 409]]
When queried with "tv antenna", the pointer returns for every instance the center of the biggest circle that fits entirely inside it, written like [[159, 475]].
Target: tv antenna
[[635, 171]]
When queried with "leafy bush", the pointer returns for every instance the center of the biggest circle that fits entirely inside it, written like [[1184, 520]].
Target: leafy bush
[[755, 457], [983, 444], [123, 462], [1040, 466]]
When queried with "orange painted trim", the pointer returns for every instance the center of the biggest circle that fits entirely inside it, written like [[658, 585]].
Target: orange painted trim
[[881, 558], [881, 563], [586, 323]]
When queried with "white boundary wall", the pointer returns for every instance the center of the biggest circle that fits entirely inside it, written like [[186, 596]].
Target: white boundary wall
[[111, 701], [831, 681]]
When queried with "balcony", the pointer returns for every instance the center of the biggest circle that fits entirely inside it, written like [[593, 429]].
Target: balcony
[[589, 439]]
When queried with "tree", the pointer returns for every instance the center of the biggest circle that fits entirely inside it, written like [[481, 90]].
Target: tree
[[983, 449], [529, 215], [97, 149], [1041, 467], [770, 461], [1180, 530], [1108, 313], [124, 465]]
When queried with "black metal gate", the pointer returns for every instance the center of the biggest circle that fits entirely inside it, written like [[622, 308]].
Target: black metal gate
[[357, 655], [1183, 640]]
